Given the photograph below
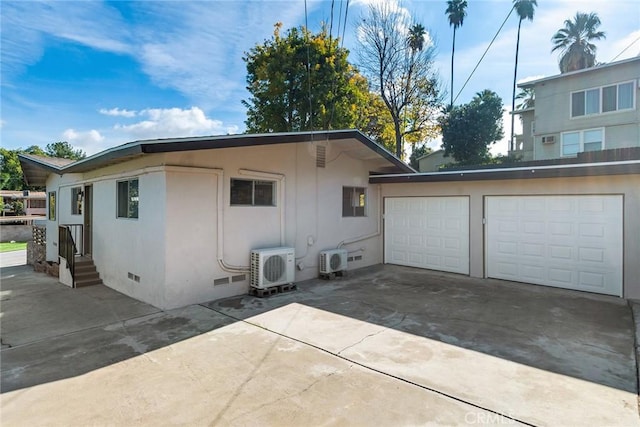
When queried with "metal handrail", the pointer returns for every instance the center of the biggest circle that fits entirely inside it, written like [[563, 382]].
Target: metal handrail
[[67, 247]]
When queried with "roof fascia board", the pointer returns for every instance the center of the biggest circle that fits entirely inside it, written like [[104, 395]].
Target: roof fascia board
[[573, 170]]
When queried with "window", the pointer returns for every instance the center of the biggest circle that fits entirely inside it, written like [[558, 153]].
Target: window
[[248, 192], [602, 100], [579, 141], [76, 201], [353, 201], [52, 205], [128, 198], [37, 203]]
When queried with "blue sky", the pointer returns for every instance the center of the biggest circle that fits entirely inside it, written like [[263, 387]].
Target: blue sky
[[101, 73]]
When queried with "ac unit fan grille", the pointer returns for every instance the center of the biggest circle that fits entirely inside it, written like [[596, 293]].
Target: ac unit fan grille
[[335, 261], [274, 268]]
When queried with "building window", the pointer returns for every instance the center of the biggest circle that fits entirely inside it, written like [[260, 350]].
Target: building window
[[353, 201], [579, 141], [52, 205], [37, 203], [76, 201], [248, 192], [128, 198], [602, 100]]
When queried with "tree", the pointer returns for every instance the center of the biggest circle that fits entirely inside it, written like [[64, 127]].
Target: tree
[[418, 151], [574, 42], [456, 11], [525, 10], [300, 82], [64, 150], [527, 98], [10, 170], [468, 130], [398, 61]]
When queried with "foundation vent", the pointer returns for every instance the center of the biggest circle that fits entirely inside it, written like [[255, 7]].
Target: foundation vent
[[239, 278], [221, 281]]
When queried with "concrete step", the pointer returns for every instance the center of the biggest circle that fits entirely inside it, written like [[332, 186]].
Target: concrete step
[[86, 273], [90, 282]]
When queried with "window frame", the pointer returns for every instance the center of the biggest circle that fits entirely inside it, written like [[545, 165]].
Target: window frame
[[581, 133], [357, 211], [274, 193], [129, 198], [51, 207], [600, 90], [76, 200]]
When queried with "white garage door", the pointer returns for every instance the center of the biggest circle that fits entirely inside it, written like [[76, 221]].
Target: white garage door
[[427, 232], [572, 242]]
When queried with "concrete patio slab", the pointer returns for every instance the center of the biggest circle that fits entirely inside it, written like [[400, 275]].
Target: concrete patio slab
[[385, 346]]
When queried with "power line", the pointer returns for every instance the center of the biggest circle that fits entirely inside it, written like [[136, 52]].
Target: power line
[[624, 50], [344, 27], [483, 55], [306, 32]]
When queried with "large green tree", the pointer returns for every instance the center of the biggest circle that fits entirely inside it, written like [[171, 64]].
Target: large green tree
[[525, 10], [469, 130], [302, 81], [456, 12], [398, 60], [574, 42], [64, 150]]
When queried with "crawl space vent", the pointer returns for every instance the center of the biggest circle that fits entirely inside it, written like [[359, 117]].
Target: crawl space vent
[[321, 156]]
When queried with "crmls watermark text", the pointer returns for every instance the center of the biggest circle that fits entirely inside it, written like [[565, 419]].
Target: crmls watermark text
[[482, 418]]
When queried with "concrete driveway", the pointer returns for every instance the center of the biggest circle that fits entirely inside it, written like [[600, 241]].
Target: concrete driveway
[[386, 346]]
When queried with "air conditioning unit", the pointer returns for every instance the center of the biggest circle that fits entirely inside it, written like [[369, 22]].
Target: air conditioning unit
[[332, 261], [548, 139], [272, 267]]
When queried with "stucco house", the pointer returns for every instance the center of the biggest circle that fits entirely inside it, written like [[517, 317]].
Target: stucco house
[[173, 221], [432, 162], [586, 110]]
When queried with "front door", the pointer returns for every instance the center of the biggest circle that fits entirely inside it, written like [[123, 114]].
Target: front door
[[88, 219]]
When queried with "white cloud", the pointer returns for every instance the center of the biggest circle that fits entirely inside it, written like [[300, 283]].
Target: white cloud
[[85, 140], [118, 112], [174, 122]]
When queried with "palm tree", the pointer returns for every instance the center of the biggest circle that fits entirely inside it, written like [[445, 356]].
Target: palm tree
[[574, 42], [416, 37], [456, 10], [527, 98], [525, 10]]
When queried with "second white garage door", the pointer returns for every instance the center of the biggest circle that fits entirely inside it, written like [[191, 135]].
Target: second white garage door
[[427, 232], [572, 242]]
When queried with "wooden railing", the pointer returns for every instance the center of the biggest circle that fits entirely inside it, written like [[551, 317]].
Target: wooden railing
[[68, 235]]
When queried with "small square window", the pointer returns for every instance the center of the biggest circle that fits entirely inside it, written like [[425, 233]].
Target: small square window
[[353, 201], [247, 192], [128, 198], [76, 201]]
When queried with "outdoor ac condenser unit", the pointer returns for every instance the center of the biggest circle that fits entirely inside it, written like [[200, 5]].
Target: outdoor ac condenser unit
[[272, 267], [333, 260]]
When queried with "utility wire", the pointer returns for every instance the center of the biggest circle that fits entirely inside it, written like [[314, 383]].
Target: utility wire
[[483, 55], [344, 27], [624, 50]]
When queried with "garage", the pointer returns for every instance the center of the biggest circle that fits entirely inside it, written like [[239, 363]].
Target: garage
[[427, 232], [565, 241]]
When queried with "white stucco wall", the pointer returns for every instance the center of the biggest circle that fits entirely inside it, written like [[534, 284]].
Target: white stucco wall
[[626, 185], [174, 244]]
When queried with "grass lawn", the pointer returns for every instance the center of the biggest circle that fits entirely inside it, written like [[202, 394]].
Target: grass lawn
[[15, 246]]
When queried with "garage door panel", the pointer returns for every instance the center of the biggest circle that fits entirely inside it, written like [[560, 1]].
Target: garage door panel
[[573, 242], [437, 235]]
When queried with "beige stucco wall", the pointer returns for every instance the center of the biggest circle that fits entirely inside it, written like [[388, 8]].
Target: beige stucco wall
[[627, 185], [173, 245], [553, 103]]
